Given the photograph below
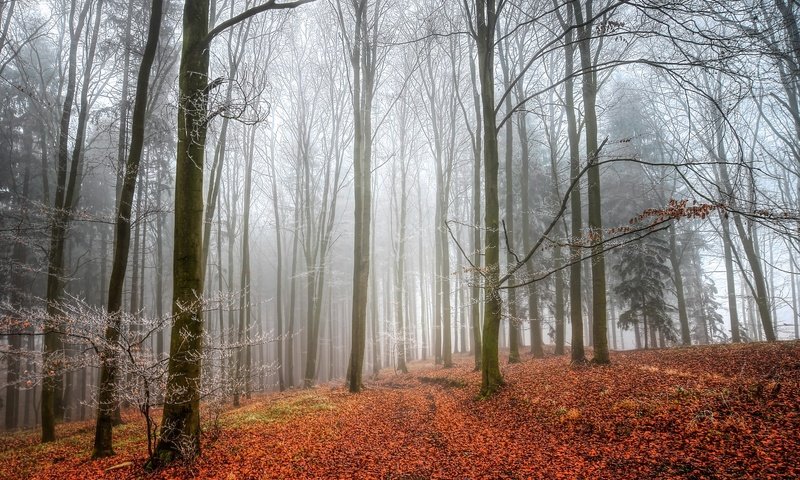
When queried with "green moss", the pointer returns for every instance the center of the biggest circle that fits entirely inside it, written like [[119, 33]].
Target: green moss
[[276, 412]]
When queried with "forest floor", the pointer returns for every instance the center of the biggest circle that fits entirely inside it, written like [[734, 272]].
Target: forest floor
[[730, 411]]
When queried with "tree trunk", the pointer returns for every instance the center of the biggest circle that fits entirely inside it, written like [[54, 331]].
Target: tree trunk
[[513, 315], [180, 431], [363, 52], [108, 371], [19, 282], [65, 199], [279, 271], [180, 425], [747, 239], [578, 353], [293, 289], [122, 140], [230, 225], [795, 306], [675, 262], [423, 286], [730, 280], [399, 287], [374, 320], [475, 293], [245, 308], [491, 378], [159, 280], [589, 81], [133, 305]]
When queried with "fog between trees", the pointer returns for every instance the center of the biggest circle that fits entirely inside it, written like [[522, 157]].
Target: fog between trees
[[203, 201]]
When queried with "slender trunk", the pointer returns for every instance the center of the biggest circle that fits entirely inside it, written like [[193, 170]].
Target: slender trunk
[[462, 321], [400, 264], [374, 320], [513, 315], [730, 280], [759, 281], [362, 55], [746, 237], [677, 278], [122, 140], [235, 341], [438, 294], [576, 221], [292, 298], [447, 312], [589, 82], [613, 310], [423, 287], [243, 357], [65, 199], [557, 252], [279, 271], [772, 291], [795, 306], [133, 306], [475, 293], [491, 378], [19, 258], [159, 280], [225, 334]]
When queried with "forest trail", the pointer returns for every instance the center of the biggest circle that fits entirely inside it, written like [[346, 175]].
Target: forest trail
[[726, 411]]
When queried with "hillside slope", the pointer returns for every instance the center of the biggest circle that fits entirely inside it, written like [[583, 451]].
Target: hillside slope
[[730, 411]]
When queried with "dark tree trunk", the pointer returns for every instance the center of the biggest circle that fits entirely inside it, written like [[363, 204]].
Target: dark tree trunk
[[513, 315], [589, 82], [19, 282], [108, 371], [578, 353], [180, 431], [675, 262], [491, 378], [65, 199], [364, 45]]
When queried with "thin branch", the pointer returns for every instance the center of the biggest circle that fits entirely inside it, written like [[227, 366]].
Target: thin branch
[[269, 5]]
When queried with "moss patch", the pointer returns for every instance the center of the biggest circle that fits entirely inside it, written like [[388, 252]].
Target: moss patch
[[277, 411]]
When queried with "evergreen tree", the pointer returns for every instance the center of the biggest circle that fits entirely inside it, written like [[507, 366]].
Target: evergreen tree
[[643, 272]]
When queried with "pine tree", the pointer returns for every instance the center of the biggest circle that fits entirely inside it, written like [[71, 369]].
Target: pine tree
[[643, 271]]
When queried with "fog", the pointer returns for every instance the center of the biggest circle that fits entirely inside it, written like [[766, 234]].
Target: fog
[[353, 186]]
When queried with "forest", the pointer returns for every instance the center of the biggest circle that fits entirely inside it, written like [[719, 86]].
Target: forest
[[417, 239]]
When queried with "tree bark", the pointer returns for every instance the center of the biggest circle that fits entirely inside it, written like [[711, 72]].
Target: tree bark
[[589, 82], [578, 353], [475, 292], [19, 281], [122, 232], [180, 431], [513, 314], [491, 378], [675, 262], [279, 270], [65, 200], [363, 63]]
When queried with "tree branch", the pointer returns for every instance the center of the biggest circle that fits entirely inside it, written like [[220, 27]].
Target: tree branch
[[269, 5]]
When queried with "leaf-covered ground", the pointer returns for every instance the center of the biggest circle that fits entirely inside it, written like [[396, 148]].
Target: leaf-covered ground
[[706, 412]]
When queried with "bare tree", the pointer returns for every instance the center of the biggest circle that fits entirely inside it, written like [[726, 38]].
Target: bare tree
[[180, 431], [66, 197], [122, 232]]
